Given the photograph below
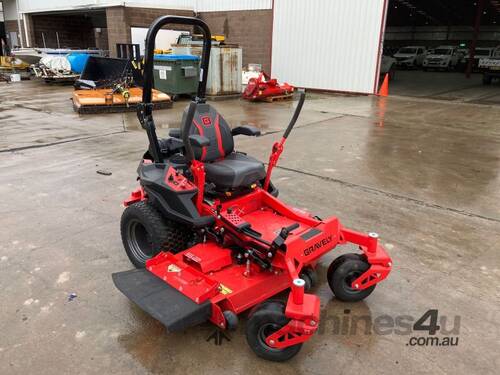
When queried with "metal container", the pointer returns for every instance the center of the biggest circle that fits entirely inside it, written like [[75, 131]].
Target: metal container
[[224, 72], [176, 74]]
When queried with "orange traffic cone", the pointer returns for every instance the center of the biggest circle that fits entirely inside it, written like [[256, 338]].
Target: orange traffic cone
[[384, 89]]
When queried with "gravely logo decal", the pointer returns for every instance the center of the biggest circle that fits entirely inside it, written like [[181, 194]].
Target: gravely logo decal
[[311, 249]]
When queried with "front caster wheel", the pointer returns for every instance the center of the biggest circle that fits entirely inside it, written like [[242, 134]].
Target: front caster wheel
[[264, 321], [342, 272], [310, 276]]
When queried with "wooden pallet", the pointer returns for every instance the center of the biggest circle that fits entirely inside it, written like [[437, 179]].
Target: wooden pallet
[[271, 99]]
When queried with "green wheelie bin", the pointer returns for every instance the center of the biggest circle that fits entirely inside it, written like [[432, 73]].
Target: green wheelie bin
[[176, 74]]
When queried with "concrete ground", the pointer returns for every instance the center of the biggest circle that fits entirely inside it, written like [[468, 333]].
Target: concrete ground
[[450, 86], [422, 173]]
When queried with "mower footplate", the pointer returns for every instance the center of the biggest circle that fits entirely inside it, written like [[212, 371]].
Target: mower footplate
[[164, 303]]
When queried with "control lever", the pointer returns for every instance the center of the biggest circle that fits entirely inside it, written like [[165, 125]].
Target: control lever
[[279, 241], [287, 230]]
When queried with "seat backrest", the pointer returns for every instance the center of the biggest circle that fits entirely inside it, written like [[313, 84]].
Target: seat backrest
[[209, 123]]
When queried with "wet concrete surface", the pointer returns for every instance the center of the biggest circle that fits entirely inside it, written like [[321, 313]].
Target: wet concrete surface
[[450, 86], [421, 173]]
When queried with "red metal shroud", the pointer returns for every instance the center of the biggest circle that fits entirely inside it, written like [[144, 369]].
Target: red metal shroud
[[136, 196], [264, 86], [208, 271]]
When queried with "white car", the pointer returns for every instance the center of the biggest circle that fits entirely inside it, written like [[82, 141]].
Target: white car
[[443, 57], [481, 53], [411, 56], [490, 66]]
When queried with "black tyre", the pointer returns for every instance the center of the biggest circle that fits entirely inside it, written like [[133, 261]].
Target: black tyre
[[145, 233], [487, 79], [310, 277], [342, 272], [264, 321]]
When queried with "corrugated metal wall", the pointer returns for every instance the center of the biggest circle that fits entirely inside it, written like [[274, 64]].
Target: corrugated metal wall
[[30, 6], [9, 10], [325, 44], [226, 5]]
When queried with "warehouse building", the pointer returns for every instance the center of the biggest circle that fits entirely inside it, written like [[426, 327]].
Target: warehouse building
[[316, 35]]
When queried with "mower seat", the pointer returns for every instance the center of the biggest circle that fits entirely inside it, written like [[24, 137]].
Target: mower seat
[[224, 167], [235, 170]]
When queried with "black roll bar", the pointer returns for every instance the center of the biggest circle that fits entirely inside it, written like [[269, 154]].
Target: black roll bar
[[185, 132], [145, 109]]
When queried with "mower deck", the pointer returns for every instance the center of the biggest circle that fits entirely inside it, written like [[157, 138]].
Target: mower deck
[[105, 101], [160, 300]]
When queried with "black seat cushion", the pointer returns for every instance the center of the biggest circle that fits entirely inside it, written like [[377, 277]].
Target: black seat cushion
[[235, 170]]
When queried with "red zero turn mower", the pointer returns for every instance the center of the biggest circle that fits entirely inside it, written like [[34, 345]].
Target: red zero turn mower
[[210, 239], [264, 87]]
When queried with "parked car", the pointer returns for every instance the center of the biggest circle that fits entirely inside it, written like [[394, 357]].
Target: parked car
[[443, 57], [411, 56], [490, 66], [463, 51], [481, 53]]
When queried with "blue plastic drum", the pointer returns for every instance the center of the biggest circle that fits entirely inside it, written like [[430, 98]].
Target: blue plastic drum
[[78, 61]]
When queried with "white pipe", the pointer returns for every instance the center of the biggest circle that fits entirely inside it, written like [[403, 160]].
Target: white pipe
[[20, 30], [26, 31]]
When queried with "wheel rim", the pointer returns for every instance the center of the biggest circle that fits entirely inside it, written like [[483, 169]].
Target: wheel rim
[[350, 277], [265, 331], [139, 241]]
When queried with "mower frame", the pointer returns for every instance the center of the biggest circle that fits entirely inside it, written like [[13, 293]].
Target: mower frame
[[277, 242]]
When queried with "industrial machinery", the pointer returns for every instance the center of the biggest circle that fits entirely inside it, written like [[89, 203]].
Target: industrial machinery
[[265, 88], [211, 240], [112, 85]]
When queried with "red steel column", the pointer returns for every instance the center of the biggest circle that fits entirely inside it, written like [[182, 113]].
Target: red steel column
[[472, 49]]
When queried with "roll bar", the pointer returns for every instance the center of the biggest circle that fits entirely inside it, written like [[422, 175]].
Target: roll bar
[[185, 132], [145, 109]]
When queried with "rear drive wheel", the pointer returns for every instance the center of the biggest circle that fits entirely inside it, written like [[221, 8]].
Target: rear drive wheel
[[145, 233], [342, 272], [265, 320], [487, 79]]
